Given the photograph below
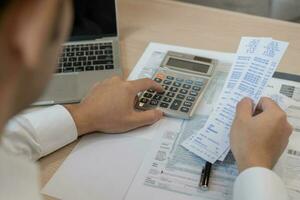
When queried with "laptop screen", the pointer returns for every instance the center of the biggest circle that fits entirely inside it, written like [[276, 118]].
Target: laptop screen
[[94, 19]]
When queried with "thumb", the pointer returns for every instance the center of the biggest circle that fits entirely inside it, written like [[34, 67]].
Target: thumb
[[147, 117], [266, 104], [244, 108]]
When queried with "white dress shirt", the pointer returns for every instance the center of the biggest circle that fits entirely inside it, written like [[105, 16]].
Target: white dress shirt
[[31, 136]]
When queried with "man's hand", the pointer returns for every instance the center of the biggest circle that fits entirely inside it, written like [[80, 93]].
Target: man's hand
[[258, 141], [109, 107]]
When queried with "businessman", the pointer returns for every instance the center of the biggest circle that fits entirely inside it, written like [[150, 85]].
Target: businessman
[[31, 34]]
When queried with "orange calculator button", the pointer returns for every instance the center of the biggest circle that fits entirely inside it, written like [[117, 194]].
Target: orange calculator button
[[160, 75]]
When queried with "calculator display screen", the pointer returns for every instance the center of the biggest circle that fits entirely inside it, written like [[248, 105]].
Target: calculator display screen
[[198, 67]]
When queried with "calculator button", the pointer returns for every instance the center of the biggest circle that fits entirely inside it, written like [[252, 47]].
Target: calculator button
[[164, 105], [167, 99], [180, 96], [176, 84], [189, 98], [176, 104], [165, 87], [186, 86], [153, 102], [188, 103], [170, 94], [173, 89], [170, 77], [184, 109], [160, 76], [158, 80], [144, 100], [183, 91], [157, 97], [193, 93], [198, 83], [150, 91], [148, 95], [161, 93], [196, 88], [167, 82], [180, 80], [189, 81]]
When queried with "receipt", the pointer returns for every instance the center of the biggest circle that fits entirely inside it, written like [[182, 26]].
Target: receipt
[[246, 51], [244, 56], [255, 64]]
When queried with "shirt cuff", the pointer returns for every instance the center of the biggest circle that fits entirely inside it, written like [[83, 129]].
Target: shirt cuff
[[54, 128], [259, 183]]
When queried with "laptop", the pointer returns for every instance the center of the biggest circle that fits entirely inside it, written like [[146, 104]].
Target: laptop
[[90, 55]]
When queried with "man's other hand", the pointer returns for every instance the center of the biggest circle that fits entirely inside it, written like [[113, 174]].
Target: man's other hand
[[109, 107], [259, 140]]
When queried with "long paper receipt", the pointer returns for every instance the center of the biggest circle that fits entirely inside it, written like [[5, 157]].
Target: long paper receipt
[[255, 63]]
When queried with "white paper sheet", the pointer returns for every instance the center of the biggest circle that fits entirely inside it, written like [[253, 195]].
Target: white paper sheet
[[247, 79], [100, 167]]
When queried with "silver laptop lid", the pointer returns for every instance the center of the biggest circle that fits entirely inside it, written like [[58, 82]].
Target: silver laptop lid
[[94, 19]]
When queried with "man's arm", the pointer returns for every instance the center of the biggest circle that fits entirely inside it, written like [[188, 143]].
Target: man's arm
[[39, 133], [108, 108], [257, 143]]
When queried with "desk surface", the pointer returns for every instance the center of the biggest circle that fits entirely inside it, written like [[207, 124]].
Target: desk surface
[[188, 25]]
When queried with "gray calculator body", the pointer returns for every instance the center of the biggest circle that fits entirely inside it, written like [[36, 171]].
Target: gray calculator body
[[185, 78]]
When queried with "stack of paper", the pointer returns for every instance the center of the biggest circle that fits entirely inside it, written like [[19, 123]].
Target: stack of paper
[[254, 65]]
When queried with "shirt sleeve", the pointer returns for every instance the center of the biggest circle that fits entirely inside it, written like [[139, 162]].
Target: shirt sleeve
[[259, 183], [39, 133]]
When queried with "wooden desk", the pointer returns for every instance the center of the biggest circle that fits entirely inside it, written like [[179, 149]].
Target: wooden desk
[[188, 25]]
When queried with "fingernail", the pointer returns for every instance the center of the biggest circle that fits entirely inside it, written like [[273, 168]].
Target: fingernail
[[248, 99]]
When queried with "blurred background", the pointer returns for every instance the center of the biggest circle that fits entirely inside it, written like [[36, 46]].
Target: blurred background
[[288, 10]]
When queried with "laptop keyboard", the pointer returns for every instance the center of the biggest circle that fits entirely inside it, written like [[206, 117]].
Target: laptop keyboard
[[86, 57]]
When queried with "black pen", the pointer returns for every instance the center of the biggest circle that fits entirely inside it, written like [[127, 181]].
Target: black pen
[[204, 180]]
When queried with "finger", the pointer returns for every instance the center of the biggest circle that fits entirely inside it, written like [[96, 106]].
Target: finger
[[244, 108], [147, 117], [136, 99], [112, 79], [267, 104], [145, 84]]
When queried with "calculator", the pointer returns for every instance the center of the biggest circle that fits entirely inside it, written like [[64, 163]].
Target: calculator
[[185, 78]]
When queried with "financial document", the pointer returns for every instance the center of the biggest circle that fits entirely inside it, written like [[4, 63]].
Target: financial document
[[255, 63], [170, 171]]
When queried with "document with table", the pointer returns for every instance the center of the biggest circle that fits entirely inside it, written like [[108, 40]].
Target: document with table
[[157, 163]]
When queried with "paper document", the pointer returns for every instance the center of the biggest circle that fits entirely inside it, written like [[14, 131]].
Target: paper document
[[171, 172], [100, 167], [254, 65], [291, 158]]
